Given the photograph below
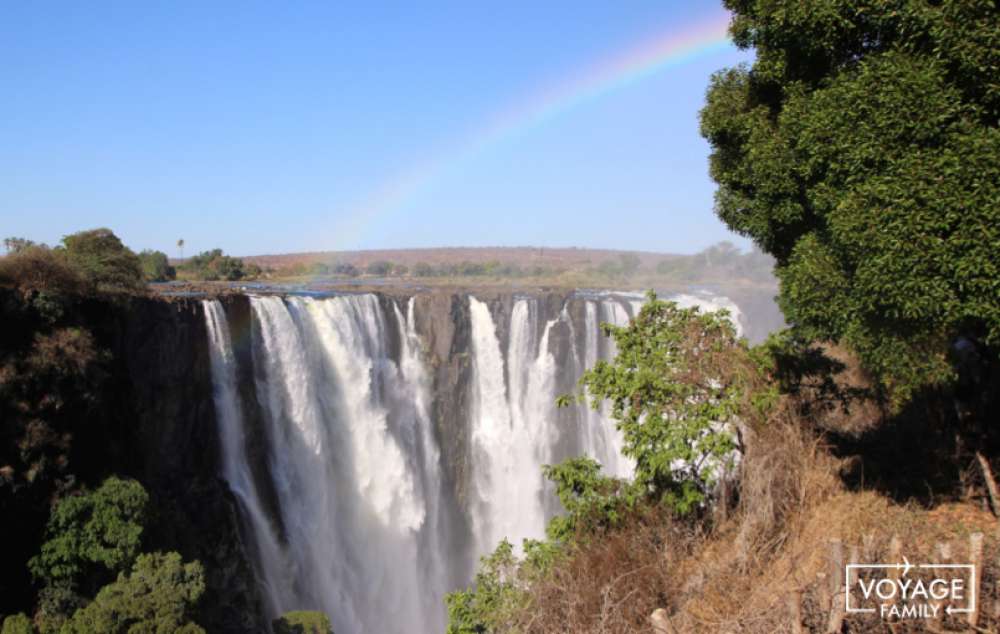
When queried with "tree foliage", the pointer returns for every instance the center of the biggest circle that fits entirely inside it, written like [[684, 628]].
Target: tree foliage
[[92, 537], [861, 150], [494, 594], [680, 388], [156, 267], [160, 595], [17, 624], [379, 267], [101, 258], [16, 245], [215, 265], [302, 622]]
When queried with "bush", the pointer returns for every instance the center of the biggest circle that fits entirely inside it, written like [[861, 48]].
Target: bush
[[345, 269], [302, 622], [159, 595], [380, 267], [17, 624], [423, 269], [214, 265], [101, 258], [681, 388], [156, 267], [93, 536], [40, 268]]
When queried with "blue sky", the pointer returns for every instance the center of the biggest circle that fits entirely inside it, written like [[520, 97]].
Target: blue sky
[[261, 127]]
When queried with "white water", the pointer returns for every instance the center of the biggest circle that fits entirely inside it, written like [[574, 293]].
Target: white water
[[362, 522]]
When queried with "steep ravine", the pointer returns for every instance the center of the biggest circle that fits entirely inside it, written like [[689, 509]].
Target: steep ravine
[[162, 427]]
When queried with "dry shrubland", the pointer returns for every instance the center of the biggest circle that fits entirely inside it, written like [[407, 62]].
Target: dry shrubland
[[741, 569]]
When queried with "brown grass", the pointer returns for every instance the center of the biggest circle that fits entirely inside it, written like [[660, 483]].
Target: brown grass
[[739, 576]]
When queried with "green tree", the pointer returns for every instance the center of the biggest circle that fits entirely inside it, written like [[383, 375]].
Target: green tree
[[861, 150], [423, 269], [593, 502], [156, 267], [303, 622], [17, 624], [492, 598], [91, 537], [680, 388], [215, 265], [379, 267], [159, 595], [103, 260]]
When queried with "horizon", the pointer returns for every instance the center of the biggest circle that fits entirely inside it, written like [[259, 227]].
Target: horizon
[[563, 127]]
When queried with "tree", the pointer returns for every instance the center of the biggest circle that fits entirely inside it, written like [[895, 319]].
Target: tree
[[180, 246], [346, 269], [17, 624], [302, 622], [215, 265], [159, 595], [379, 267], [16, 245], [493, 597], [156, 267], [92, 537], [400, 270], [103, 260], [681, 388], [860, 150], [423, 269]]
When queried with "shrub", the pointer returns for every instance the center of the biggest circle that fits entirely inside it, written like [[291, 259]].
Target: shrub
[[680, 388], [92, 536], [423, 269], [159, 595], [302, 622], [42, 269], [380, 267], [215, 265], [17, 624]]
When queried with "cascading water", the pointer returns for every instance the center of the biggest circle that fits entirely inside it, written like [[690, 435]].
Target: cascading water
[[347, 507]]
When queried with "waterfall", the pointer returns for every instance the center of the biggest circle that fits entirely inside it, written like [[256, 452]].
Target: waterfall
[[369, 492], [235, 468]]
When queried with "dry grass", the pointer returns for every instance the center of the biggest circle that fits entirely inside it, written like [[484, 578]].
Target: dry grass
[[739, 577]]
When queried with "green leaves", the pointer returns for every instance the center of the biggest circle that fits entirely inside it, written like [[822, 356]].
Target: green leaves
[[92, 536], [302, 622], [860, 149], [158, 596], [495, 594], [679, 388]]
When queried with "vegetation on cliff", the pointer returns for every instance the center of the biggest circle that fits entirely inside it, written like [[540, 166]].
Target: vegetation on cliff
[[860, 150]]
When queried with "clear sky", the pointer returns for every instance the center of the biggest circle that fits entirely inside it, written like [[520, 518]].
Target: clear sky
[[273, 127]]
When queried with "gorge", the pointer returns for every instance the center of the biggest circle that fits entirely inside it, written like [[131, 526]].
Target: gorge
[[378, 444]]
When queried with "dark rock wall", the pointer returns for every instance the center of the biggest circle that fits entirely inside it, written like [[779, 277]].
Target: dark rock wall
[[161, 416]]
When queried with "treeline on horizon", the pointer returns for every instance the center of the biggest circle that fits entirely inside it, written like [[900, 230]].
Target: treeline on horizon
[[100, 254]]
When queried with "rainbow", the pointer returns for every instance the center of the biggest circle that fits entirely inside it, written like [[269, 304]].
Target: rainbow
[[676, 46]]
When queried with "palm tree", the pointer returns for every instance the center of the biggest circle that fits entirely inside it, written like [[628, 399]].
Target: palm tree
[[180, 245]]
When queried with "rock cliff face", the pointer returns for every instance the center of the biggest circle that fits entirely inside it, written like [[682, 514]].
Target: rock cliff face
[[159, 425], [160, 400]]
